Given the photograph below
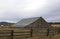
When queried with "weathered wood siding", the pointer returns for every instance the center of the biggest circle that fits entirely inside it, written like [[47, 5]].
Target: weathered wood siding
[[40, 27]]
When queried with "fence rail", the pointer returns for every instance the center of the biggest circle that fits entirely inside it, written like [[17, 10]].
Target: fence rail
[[10, 34]]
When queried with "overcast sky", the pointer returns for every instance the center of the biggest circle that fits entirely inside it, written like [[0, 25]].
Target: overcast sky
[[15, 10]]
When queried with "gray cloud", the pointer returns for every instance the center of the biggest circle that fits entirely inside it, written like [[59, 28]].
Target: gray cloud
[[15, 10]]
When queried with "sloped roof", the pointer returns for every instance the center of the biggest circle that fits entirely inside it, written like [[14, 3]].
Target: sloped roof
[[25, 22]]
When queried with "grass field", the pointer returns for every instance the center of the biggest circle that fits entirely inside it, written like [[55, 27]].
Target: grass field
[[46, 37]]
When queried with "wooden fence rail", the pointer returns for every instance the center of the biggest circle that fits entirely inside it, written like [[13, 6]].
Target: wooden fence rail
[[10, 34]]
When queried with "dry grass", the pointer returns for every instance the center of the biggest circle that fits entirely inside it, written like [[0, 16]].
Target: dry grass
[[56, 36], [46, 37]]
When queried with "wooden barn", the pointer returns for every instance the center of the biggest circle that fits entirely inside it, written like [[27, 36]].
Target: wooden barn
[[37, 25]]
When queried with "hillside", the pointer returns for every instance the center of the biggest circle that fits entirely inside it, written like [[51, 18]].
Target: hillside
[[5, 23]]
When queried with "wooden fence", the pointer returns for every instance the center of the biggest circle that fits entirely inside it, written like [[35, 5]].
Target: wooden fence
[[10, 34], [23, 34]]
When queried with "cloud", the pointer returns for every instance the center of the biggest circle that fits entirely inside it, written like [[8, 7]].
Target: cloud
[[15, 10]]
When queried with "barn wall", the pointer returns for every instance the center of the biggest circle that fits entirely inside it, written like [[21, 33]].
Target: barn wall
[[40, 28]]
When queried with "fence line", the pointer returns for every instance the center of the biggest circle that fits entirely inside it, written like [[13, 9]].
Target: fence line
[[11, 34]]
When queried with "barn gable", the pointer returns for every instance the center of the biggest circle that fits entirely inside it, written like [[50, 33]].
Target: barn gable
[[41, 27], [39, 23]]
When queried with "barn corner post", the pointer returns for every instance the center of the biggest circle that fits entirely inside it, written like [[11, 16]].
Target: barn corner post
[[47, 32], [12, 34], [31, 31]]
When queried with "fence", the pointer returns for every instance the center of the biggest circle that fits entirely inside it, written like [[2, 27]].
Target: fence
[[22, 34], [10, 34]]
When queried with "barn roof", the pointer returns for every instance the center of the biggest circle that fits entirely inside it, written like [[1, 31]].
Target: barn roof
[[26, 21]]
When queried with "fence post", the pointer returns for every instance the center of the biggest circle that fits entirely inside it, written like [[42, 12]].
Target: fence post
[[31, 31], [12, 34], [47, 32]]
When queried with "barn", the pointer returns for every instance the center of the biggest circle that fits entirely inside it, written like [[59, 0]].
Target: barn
[[37, 25]]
